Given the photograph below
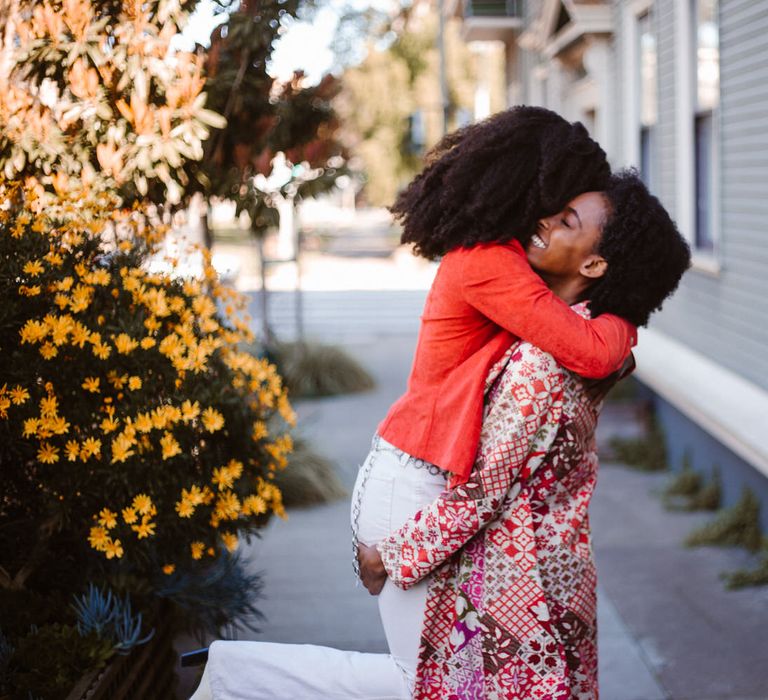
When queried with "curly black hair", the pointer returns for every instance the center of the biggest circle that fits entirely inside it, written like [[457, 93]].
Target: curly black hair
[[645, 252], [492, 181]]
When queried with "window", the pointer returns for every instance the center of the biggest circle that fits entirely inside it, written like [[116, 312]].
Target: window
[[648, 87], [706, 60]]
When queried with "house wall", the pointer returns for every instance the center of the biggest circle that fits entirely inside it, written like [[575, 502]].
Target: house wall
[[719, 311], [724, 315]]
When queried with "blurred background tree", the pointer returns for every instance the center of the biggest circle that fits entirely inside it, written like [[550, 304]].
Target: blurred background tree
[[265, 117], [96, 90], [99, 90], [391, 103]]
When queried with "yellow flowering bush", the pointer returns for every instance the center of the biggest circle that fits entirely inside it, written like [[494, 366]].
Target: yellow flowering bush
[[135, 431]]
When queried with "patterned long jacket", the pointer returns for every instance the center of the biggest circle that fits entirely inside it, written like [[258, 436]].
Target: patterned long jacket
[[511, 608]]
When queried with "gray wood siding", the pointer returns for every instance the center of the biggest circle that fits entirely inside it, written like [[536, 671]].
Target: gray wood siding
[[664, 18], [726, 317]]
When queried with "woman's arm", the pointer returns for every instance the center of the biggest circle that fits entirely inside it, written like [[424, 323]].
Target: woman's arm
[[501, 285], [518, 430]]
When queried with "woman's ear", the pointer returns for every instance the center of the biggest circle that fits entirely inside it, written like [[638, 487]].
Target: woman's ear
[[594, 266]]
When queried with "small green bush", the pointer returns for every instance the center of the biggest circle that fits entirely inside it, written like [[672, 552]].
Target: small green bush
[[737, 526], [311, 370], [647, 453], [687, 490], [49, 660], [742, 578], [309, 479]]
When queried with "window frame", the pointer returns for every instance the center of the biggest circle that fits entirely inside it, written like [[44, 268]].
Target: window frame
[[708, 261]]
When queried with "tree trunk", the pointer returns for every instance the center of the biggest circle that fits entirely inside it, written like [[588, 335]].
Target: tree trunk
[[266, 331]]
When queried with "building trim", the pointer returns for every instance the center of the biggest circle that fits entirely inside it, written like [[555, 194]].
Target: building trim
[[730, 408]]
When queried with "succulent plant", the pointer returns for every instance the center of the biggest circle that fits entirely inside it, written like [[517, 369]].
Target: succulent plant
[[110, 618], [127, 628], [95, 611]]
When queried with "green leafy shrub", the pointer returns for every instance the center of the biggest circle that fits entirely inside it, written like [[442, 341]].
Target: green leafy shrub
[[742, 578], [311, 370], [50, 659], [138, 442], [222, 594], [310, 478], [130, 416], [687, 490], [647, 453], [736, 526]]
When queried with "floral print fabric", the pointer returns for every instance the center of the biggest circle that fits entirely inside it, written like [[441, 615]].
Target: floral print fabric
[[511, 609]]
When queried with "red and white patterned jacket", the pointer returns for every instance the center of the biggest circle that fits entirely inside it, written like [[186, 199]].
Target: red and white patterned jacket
[[511, 608]]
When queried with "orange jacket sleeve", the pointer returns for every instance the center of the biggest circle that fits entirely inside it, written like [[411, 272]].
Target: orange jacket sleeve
[[498, 282]]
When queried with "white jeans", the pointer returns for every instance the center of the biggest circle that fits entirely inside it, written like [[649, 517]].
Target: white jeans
[[391, 486]]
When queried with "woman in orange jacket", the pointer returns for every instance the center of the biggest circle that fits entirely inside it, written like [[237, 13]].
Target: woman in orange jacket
[[476, 204]]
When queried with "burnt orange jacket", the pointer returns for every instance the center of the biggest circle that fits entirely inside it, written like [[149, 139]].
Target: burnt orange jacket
[[481, 300]]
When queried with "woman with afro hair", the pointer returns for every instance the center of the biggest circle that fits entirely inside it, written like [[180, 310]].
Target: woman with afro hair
[[498, 570], [486, 584], [478, 202]]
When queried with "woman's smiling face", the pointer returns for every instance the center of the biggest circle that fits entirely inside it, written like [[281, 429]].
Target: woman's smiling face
[[565, 244]]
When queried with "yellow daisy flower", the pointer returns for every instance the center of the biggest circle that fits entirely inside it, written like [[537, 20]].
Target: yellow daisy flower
[[185, 508], [230, 540], [222, 478], [235, 468], [129, 515], [113, 549], [98, 538], [134, 383], [48, 454], [142, 503], [91, 384], [189, 410], [125, 344], [102, 350], [18, 395], [32, 291], [80, 334], [121, 449], [227, 506], [168, 569], [110, 424], [91, 448], [212, 420], [33, 331], [196, 549], [49, 406], [145, 529], [81, 298], [254, 505], [107, 518], [259, 430], [65, 285], [34, 268], [48, 351], [72, 448], [170, 446]]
